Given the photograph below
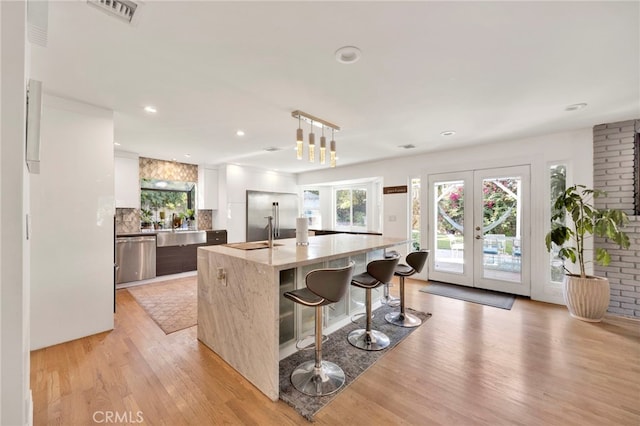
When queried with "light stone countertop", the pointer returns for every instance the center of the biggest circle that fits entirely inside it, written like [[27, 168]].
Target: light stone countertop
[[286, 254]]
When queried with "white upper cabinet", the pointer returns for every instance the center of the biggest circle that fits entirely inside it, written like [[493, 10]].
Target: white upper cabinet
[[207, 188], [127, 180]]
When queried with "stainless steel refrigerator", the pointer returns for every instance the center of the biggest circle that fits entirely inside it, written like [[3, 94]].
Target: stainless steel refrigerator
[[283, 207]]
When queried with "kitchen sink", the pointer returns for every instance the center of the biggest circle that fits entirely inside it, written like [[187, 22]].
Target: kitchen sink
[[180, 238], [253, 245]]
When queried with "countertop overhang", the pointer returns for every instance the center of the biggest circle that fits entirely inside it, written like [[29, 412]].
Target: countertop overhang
[[320, 248]]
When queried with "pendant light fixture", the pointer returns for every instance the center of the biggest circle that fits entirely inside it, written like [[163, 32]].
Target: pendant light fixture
[[299, 140], [318, 122], [332, 153], [323, 148], [312, 145]]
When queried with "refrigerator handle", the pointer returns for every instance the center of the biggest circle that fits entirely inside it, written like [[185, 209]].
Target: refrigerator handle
[[274, 213], [277, 220]]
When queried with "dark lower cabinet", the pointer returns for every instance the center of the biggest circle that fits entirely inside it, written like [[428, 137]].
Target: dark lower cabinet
[[177, 259]]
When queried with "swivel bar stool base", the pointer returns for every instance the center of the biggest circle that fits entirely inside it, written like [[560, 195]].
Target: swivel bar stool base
[[375, 341], [403, 320]]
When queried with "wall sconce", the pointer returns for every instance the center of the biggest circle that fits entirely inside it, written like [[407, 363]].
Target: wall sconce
[[318, 122]]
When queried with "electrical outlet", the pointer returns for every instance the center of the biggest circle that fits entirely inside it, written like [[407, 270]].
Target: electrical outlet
[[222, 276]]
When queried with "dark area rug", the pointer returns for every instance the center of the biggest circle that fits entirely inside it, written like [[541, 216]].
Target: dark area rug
[[337, 349], [470, 294]]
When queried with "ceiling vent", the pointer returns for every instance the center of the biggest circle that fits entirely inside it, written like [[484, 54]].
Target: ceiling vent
[[407, 146], [121, 9], [38, 22], [273, 149]]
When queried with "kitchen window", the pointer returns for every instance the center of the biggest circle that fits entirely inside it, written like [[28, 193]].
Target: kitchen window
[[311, 207], [350, 208]]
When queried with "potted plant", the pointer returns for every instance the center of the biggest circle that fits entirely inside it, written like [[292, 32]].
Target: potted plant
[[586, 296], [190, 215], [146, 218]]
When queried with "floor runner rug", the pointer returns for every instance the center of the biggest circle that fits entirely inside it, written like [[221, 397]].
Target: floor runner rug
[[337, 349], [470, 294]]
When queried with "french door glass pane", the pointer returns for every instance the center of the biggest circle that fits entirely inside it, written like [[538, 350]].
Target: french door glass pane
[[501, 247], [415, 214], [558, 184], [449, 214]]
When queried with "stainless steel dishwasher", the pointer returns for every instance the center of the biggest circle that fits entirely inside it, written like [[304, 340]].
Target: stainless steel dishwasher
[[135, 258]]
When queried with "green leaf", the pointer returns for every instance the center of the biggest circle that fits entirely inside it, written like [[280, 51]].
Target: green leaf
[[603, 257], [568, 253]]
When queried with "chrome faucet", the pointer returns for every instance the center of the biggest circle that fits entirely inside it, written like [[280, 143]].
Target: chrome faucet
[[270, 230]]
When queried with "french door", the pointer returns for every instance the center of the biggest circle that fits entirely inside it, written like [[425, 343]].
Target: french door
[[479, 228]]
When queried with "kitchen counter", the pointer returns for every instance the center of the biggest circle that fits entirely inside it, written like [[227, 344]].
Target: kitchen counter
[[333, 231], [156, 232], [239, 293]]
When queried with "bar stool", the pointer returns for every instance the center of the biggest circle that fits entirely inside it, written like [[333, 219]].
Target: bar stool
[[416, 261], [323, 287], [387, 298], [378, 273]]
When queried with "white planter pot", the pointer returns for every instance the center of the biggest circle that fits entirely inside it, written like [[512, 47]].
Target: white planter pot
[[587, 298]]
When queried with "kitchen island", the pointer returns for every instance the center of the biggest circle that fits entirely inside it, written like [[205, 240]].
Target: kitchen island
[[240, 316]]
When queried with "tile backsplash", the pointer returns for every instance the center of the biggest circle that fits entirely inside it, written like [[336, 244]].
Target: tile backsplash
[[151, 168], [205, 219], [127, 220]]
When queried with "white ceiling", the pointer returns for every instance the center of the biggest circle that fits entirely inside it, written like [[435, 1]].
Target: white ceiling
[[491, 71]]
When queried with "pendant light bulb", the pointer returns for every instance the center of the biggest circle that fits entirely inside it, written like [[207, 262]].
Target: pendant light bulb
[[299, 141], [312, 145], [323, 148], [332, 153]]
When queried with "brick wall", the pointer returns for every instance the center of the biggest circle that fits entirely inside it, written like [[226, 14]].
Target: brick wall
[[613, 158]]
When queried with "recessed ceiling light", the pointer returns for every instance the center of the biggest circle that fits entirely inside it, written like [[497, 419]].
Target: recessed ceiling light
[[448, 133], [348, 55], [187, 155], [240, 133], [575, 107], [150, 109], [116, 144]]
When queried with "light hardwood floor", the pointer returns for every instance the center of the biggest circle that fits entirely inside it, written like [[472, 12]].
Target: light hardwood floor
[[467, 365]]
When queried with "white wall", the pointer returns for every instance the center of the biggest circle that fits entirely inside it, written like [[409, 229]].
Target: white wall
[[234, 181], [15, 405], [72, 201], [574, 147]]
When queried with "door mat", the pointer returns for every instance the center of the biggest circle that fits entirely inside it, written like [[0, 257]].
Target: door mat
[[352, 360], [172, 304], [470, 294]]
